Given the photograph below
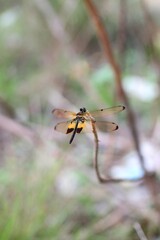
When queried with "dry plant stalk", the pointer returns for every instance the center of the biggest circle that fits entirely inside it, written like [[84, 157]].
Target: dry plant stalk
[[100, 178], [103, 36], [139, 231], [17, 129]]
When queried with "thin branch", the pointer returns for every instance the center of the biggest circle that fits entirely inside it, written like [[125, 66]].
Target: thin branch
[[139, 231], [100, 178], [17, 129], [114, 218], [103, 36]]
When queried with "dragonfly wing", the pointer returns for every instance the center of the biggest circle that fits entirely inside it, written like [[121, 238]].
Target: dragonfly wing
[[85, 127], [106, 126], [107, 111], [62, 113], [69, 126], [65, 127]]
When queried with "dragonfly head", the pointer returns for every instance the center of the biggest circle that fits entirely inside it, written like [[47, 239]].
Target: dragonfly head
[[82, 110]]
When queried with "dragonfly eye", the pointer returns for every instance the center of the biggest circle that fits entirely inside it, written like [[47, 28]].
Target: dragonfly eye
[[83, 110]]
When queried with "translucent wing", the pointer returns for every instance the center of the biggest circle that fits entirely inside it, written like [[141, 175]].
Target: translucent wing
[[107, 111], [86, 127], [106, 126], [62, 127], [68, 127], [100, 125], [61, 113]]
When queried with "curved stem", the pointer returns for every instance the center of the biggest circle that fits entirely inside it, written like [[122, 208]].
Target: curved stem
[[100, 178]]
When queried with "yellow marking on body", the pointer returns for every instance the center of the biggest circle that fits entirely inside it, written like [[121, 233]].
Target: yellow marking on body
[[72, 125], [81, 125]]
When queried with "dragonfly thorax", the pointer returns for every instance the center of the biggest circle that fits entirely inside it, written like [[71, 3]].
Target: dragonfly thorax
[[79, 118]]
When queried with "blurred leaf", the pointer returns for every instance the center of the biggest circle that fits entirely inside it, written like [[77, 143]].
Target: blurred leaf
[[103, 81]]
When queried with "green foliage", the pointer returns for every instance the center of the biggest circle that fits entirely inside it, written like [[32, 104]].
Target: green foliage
[[103, 83], [7, 85], [24, 202]]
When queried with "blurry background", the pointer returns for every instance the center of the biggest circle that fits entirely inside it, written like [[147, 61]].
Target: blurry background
[[50, 57]]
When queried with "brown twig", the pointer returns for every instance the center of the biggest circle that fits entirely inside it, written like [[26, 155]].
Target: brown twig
[[139, 231], [114, 218], [100, 178], [17, 129], [103, 36]]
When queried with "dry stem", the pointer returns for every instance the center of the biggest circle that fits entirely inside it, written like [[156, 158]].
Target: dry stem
[[103, 36]]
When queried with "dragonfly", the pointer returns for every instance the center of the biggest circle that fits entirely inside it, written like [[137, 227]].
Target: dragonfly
[[82, 122]]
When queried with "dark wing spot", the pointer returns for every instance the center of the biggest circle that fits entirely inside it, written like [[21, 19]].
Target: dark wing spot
[[79, 130], [101, 110], [69, 130], [123, 107], [116, 127]]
